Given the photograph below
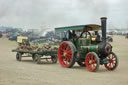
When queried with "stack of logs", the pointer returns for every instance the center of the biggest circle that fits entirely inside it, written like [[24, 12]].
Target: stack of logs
[[36, 48], [47, 48]]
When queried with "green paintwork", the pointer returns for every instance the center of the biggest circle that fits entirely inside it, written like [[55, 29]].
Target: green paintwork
[[84, 46], [83, 53], [91, 48], [88, 42], [90, 27], [104, 61], [69, 28], [83, 42]]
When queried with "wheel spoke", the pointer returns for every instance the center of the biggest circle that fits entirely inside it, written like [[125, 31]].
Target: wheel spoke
[[68, 55], [88, 59], [91, 57], [62, 49], [69, 51], [66, 62], [114, 62], [67, 48], [94, 61], [109, 64], [112, 57], [90, 66], [94, 66]]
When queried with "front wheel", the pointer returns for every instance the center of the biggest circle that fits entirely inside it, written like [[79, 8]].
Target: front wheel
[[113, 61], [92, 61]]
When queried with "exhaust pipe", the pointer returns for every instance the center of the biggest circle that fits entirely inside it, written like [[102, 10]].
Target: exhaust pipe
[[103, 27], [104, 48]]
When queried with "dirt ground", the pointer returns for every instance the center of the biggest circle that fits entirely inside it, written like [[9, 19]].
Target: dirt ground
[[27, 72]]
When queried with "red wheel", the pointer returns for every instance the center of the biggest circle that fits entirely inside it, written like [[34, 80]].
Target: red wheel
[[92, 61], [113, 61], [66, 54]]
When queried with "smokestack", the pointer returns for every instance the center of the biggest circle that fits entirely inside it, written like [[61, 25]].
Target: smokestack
[[103, 27]]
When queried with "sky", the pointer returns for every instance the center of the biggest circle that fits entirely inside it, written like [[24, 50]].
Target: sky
[[44, 14]]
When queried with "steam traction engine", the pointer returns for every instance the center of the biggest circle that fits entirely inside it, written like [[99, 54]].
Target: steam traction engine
[[85, 48]]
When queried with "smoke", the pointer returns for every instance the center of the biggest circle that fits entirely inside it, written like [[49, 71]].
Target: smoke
[[37, 14]]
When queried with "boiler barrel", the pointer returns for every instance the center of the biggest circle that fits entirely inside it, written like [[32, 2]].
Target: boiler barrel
[[91, 48]]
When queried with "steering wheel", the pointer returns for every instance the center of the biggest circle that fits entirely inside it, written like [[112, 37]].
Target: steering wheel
[[84, 35]]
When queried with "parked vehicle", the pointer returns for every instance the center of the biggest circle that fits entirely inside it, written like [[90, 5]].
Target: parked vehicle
[[126, 36], [20, 39], [109, 38], [13, 38], [1, 35]]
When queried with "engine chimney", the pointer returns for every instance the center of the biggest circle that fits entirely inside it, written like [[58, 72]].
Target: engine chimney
[[103, 27]]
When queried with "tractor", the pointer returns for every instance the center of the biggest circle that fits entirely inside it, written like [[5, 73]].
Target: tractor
[[84, 44]]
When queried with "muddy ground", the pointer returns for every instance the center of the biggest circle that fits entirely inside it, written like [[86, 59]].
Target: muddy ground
[[27, 72]]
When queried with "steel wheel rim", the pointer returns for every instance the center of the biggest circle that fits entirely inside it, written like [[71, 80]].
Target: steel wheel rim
[[112, 62], [65, 54], [91, 62], [17, 56]]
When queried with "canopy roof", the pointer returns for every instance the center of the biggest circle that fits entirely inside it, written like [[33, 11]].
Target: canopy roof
[[79, 28]]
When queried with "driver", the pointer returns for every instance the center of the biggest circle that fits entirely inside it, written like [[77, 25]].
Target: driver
[[97, 36], [69, 35], [73, 34]]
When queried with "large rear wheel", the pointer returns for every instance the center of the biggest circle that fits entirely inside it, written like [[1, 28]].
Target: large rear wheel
[[66, 54], [92, 61], [113, 61]]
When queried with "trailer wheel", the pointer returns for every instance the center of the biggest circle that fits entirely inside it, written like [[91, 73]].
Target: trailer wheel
[[92, 61], [54, 59], [113, 61], [18, 56], [33, 57], [66, 53], [37, 59]]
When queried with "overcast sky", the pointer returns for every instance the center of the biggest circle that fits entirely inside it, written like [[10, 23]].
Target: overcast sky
[[53, 13]]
